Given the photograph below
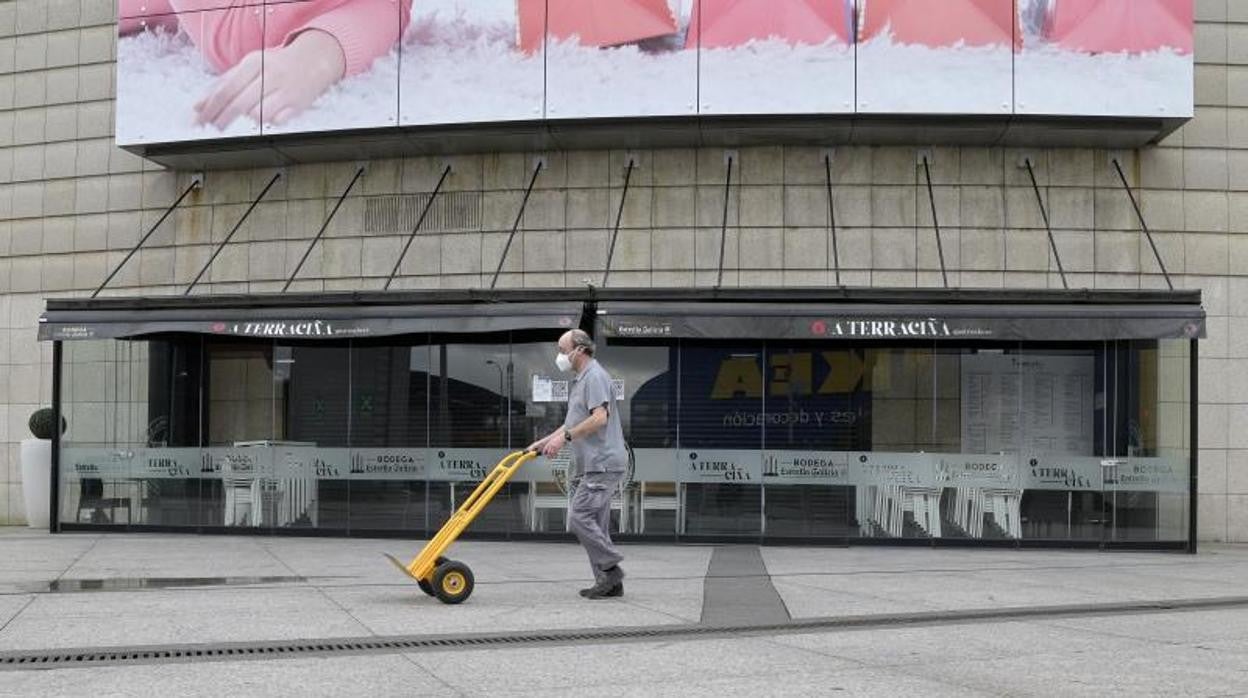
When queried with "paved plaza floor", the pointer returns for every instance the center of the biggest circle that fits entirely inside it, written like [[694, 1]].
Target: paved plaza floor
[[146, 614]]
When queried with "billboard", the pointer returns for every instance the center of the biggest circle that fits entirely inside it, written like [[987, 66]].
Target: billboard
[[1105, 58], [207, 69]]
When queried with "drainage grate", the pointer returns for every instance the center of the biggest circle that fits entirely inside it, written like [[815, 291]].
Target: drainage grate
[[451, 212], [69, 658], [137, 583]]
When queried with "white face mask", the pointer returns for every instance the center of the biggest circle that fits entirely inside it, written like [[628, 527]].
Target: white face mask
[[564, 362]]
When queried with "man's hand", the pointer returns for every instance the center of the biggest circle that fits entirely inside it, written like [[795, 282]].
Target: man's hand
[[553, 444], [285, 80]]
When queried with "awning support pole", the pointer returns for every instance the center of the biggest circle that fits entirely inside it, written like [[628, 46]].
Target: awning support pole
[[1045, 215], [239, 224], [324, 227], [195, 184], [931, 197], [54, 502], [723, 229], [836, 258], [419, 222], [516, 226], [619, 215], [1193, 443], [1143, 225]]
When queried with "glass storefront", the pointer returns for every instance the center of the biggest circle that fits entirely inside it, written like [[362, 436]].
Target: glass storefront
[[201, 431], [793, 438], [771, 440]]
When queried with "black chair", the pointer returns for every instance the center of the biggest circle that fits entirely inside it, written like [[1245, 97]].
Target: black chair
[[91, 496]]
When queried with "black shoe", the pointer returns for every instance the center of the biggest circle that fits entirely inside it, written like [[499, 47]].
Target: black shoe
[[605, 584], [605, 591], [613, 575]]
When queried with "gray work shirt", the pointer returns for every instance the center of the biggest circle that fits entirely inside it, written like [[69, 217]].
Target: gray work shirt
[[603, 450]]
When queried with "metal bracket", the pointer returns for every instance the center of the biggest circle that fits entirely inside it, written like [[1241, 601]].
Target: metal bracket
[[1024, 157], [361, 165], [197, 180], [631, 156], [539, 161], [732, 155], [829, 154], [922, 154]]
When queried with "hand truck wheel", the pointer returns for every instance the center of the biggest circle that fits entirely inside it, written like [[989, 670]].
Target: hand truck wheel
[[424, 585], [452, 582]]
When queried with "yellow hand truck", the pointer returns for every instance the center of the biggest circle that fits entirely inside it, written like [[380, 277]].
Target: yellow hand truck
[[451, 581]]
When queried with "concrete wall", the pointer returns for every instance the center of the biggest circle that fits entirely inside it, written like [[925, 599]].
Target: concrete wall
[[71, 205]]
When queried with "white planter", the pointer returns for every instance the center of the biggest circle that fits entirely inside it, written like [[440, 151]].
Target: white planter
[[37, 480]]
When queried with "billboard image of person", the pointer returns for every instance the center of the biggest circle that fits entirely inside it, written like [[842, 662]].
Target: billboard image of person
[[765, 57], [469, 61], [209, 69], [946, 57], [1106, 58], [192, 69]]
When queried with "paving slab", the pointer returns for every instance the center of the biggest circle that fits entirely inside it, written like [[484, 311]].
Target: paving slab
[[212, 615], [652, 664], [375, 676], [1163, 670], [912, 646]]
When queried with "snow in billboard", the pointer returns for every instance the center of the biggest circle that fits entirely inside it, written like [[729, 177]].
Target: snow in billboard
[[1105, 58], [207, 69]]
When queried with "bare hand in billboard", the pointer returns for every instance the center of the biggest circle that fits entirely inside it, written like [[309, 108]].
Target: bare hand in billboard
[[277, 84]]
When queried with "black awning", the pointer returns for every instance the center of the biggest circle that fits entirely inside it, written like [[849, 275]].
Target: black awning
[[306, 322], [763, 313], [924, 322]]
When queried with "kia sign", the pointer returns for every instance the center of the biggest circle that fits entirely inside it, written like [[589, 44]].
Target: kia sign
[[210, 69]]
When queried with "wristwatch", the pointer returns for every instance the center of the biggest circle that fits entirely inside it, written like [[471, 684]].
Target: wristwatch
[[567, 435]]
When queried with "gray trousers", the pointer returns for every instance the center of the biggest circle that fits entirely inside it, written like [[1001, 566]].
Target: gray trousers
[[590, 519]]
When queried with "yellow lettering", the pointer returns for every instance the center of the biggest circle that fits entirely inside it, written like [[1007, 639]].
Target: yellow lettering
[[791, 374], [738, 375], [845, 369]]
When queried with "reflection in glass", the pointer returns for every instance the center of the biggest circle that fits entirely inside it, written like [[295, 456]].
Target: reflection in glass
[[389, 408], [1042, 441], [817, 404], [648, 417], [174, 371], [1147, 479], [96, 467], [721, 437], [1060, 440], [468, 430]]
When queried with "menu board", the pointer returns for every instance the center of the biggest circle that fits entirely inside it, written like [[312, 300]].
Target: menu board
[[1039, 404]]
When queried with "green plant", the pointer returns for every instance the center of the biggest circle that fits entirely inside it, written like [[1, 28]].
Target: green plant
[[41, 422]]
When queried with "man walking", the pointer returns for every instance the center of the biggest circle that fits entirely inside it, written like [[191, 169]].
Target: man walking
[[600, 459]]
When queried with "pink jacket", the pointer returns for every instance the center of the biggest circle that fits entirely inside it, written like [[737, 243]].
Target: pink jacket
[[226, 30]]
